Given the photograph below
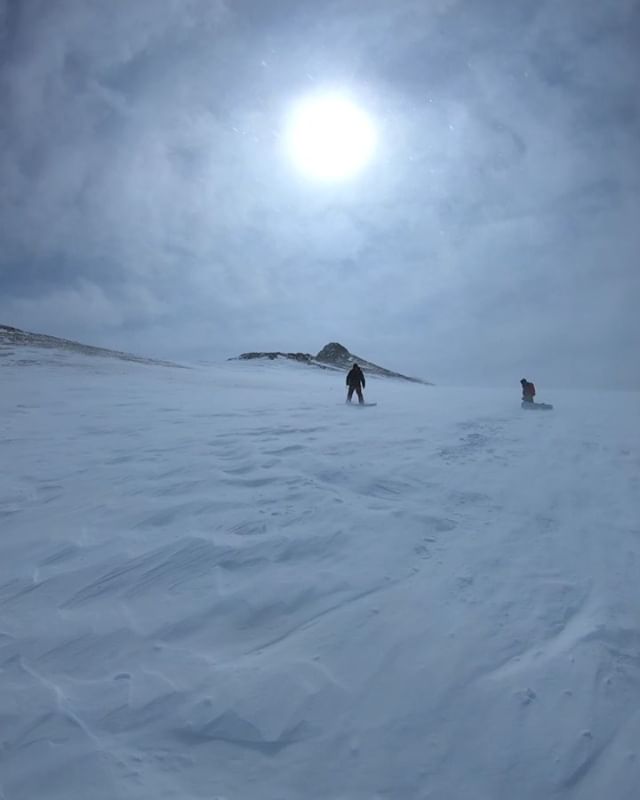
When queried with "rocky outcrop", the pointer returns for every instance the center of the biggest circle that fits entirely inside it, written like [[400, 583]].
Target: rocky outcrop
[[337, 354], [333, 356], [304, 357]]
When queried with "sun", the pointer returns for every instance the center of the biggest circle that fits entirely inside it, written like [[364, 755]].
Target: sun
[[329, 137]]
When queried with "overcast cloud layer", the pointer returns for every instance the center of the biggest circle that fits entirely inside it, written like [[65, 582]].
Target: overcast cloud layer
[[147, 202]]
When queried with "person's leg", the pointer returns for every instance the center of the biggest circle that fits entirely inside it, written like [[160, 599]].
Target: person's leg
[[349, 394], [360, 397]]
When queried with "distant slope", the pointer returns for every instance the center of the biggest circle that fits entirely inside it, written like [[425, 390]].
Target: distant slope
[[14, 337], [334, 356]]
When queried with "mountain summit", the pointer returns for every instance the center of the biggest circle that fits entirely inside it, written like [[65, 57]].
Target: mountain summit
[[334, 356], [335, 353]]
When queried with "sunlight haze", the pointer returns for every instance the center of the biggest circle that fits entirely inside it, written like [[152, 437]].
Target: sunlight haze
[[451, 187]]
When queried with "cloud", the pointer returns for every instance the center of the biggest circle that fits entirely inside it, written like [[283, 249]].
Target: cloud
[[145, 195]]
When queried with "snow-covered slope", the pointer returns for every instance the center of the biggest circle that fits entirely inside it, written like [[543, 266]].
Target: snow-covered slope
[[224, 583], [43, 348]]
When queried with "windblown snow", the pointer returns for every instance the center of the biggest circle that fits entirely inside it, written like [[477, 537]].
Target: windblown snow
[[222, 582]]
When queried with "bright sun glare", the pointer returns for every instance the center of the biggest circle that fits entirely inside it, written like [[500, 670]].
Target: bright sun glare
[[330, 138]]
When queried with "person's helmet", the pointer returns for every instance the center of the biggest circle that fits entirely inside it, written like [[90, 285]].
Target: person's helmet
[[523, 380]]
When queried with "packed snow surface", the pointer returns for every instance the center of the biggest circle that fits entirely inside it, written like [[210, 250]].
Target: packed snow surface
[[222, 582]]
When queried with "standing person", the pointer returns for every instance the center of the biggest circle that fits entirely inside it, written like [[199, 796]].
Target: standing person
[[356, 383], [528, 391]]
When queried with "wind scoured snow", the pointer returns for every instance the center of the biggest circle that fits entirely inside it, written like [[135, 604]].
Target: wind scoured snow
[[223, 583]]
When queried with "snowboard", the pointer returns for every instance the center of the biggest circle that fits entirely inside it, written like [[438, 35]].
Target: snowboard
[[537, 406], [361, 405]]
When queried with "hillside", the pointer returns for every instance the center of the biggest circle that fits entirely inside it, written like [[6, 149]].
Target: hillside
[[12, 338], [332, 356]]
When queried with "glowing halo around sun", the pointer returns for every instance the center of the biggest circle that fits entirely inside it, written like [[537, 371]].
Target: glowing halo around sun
[[329, 137]]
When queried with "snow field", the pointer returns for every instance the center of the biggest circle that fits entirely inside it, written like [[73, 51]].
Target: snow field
[[221, 582]]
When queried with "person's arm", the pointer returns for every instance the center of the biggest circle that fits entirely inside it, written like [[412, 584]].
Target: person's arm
[[364, 383]]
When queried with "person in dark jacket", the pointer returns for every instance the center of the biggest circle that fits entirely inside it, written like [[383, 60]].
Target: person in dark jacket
[[528, 391], [356, 383]]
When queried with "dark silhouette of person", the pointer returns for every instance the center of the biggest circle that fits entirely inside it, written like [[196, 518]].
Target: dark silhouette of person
[[356, 383], [528, 391]]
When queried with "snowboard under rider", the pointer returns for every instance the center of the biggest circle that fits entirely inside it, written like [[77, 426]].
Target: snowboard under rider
[[356, 383], [528, 391]]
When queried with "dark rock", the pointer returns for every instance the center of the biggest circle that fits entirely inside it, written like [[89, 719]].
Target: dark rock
[[334, 353]]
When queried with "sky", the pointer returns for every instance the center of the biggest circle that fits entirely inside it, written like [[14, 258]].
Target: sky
[[148, 201]]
